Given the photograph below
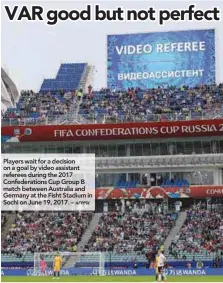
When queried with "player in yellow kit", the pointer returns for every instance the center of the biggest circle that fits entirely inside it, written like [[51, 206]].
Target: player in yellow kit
[[57, 263]]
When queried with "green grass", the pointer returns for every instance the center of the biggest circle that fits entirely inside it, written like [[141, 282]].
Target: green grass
[[110, 279]]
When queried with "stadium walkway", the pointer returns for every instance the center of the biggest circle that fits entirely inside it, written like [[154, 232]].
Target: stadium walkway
[[87, 235], [8, 225], [176, 229]]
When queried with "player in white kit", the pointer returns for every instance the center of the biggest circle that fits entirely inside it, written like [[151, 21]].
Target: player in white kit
[[161, 262]]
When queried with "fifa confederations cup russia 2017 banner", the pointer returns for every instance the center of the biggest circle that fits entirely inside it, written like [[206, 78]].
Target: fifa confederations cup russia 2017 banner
[[149, 60], [124, 131]]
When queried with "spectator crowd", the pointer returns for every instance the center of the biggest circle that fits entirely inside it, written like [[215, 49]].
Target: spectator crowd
[[37, 108], [155, 104], [131, 232], [201, 232], [46, 232], [139, 230], [169, 103]]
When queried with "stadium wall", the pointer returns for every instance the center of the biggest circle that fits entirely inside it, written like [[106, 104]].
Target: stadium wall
[[115, 272]]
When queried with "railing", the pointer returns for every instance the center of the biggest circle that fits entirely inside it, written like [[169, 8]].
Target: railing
[[105, 118], [117, 259], [56, 120], [159, 162]]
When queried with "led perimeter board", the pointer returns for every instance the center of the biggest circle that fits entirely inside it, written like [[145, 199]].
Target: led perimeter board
[[149, 60]]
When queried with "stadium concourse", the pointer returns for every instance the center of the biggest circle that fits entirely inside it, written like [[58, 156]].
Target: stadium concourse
[[152, 192]]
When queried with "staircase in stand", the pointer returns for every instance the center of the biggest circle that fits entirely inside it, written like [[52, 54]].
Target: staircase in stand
[[175, 230], [87, 235], [11, 217], [84, 240]]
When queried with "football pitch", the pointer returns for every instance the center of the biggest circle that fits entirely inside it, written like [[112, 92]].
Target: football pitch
[[110, 279]]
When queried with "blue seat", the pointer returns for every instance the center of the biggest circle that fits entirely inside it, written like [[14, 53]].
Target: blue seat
[[68, 78]]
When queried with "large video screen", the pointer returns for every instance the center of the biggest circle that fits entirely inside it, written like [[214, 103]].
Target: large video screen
[[150, 60]]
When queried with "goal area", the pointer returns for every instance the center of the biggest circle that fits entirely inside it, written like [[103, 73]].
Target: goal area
[[73, 263]]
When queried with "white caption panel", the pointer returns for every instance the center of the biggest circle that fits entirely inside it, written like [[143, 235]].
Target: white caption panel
[[48, 182]]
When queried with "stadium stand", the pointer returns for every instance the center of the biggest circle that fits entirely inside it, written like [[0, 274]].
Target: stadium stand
[[131, 232], [68, 78], [55, 100], [123, 236], [36, 108], [201, 235], [153, 105], [44, 232], [119, 233]]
